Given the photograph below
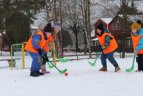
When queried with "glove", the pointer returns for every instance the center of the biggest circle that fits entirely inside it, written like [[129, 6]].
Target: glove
[[43, 54], [39, 51], [99, 48], [45, 57], [103, 47]]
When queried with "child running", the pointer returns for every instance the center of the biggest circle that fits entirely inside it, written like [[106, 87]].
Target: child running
[[108, 45]]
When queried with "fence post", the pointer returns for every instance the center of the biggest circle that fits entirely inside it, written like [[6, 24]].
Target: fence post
[[23, 61]]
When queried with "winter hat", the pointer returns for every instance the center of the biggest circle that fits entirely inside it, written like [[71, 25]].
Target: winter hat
[[139, 21], [48, 28], [136, 26], [57, 25], [100, 26]]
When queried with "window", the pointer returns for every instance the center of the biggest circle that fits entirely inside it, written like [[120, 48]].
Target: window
[[116, 25]]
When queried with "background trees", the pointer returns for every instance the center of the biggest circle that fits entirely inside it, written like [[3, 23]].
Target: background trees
[[77, 18], [16, 17]]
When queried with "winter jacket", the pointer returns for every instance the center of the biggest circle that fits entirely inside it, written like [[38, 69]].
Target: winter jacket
[[38, 41], [138, 41], [107, 42], [106, 30]]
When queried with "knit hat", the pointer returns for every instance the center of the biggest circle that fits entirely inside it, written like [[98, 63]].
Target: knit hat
[[48, 28], [57, 24], [139, 21], [100, 26], [135, 26]]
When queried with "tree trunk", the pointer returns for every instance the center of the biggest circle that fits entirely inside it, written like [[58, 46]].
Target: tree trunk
[[89, 31]]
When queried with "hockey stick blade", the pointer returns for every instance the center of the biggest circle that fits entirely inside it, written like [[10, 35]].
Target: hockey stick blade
[[59, 58], [60, 71], [132, 67], [93, 63], [63, 60]]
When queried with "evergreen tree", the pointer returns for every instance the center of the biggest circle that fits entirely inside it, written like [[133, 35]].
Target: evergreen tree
[[18, 15], [129, 10], [67, 40]]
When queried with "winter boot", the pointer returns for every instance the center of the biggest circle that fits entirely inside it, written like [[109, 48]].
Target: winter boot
[[43, 69], [104, 69], [34, 74], [138, 71], [40, 73], [117, 69]]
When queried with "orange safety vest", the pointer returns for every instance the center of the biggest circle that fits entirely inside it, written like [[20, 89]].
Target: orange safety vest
[[50, 38], [111, 47], [135, 40], [43, 43]]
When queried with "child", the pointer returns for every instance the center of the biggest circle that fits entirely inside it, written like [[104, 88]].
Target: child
[[108, 44], [37, 48], [136, 34]]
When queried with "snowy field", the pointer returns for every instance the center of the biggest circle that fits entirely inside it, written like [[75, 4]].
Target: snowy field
[[83, 80]]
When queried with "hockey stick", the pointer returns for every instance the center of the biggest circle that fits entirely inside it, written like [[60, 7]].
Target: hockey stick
[[93, 63], [60, 59], [60, 71], [132, 67], [50, 66]]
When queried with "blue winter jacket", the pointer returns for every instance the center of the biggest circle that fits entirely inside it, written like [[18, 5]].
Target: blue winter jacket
[[36, 38], [140, 44]]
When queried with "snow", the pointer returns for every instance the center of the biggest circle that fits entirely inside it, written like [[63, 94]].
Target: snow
[[93, 33], [106, 20], [94, 39], [34, 27], [83, 80]]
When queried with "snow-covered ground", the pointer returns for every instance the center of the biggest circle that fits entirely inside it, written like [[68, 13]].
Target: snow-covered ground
[[83, 80]]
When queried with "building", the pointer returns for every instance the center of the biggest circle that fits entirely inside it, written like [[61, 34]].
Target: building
[[4, 42], [105, 21], [115, 27]]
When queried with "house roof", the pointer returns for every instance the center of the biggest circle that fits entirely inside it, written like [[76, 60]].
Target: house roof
[[106, 20], [33, 27]]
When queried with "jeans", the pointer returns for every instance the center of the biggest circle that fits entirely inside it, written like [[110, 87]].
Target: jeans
[[110, 57], [36, 61]]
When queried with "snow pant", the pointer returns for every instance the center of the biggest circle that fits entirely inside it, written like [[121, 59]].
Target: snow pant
[[139, 60], [110, 57], [36, 62], [43, 65]]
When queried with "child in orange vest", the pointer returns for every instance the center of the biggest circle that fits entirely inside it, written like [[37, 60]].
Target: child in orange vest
[[37, 48], [108, 44], [136, 34]]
